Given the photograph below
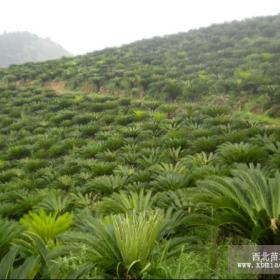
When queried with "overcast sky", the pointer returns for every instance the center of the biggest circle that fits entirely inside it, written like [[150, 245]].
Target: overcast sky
[[82, 26]]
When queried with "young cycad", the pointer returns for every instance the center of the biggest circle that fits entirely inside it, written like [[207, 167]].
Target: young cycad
[[242, 153], [123, 202], [9, 230], [247, 204], [136, 235], [47, 226], [55, 203]]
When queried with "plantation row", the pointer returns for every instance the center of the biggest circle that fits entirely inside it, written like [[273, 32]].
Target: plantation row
[[234, 63], [97, 186]]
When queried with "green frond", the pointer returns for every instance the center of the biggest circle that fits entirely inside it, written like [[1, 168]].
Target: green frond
[[52, 204], [136, 235], [123, 202], [179, 199], [9, 230], [107, 184], [242, 152], [27, 270], [47, 226], [248, 201], [170, 181]]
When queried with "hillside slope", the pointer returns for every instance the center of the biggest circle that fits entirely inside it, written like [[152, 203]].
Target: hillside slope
[[235, 63], [72, 164], [21, 47]]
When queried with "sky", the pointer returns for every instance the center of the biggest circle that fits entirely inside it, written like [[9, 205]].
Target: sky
[[82, 26]]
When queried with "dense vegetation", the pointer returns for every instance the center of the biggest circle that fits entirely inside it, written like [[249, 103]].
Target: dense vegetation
[[22, 47], [235, 63], [97, 186], [133, 169]]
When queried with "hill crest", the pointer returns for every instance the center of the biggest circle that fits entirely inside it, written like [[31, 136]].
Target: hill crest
[[22, 47]]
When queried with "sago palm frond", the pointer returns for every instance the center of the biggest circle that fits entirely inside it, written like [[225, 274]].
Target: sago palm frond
[[129, 158], [8, 209], [130, 131], [170, 181], [27, 270], [123, 202], [136, 235], [47, 226], [152, 105], [197, 160], [103, 168], [247, 204], [124, 170], [108, 155], [31, 245], [214, 111], [175, 142], [139, 114], [242, 153], [9, 230], [179, 167], [203, 172], [91, 150], [99, 236], [202, 132], [51, 204], [205, 144], [174, 155], [150, 157], [114, 142], [179, 200], [107, 184], [81, 201]]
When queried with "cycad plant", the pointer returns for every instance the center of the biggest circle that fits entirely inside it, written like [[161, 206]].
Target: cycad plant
[[139, 114], [158, 117], [132, 131], [114, 142], [175, 142], [152, 105], [205, 144], [129, 158], [27, 270], [166, 181], [32, 247], [274, 149], [64, 182], [178, 200], [106, 184], [56, 203], [123, 202], [242, 152], [247, 204], [90, 130], [170, 109], [47, 226], [108, 155], [9, 230], [215, 111], [174, 155], [18, 151], [201, 172], [150, 157], [136, 234], [91, 150], [103, 168], [125, 244], [119, 242]]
